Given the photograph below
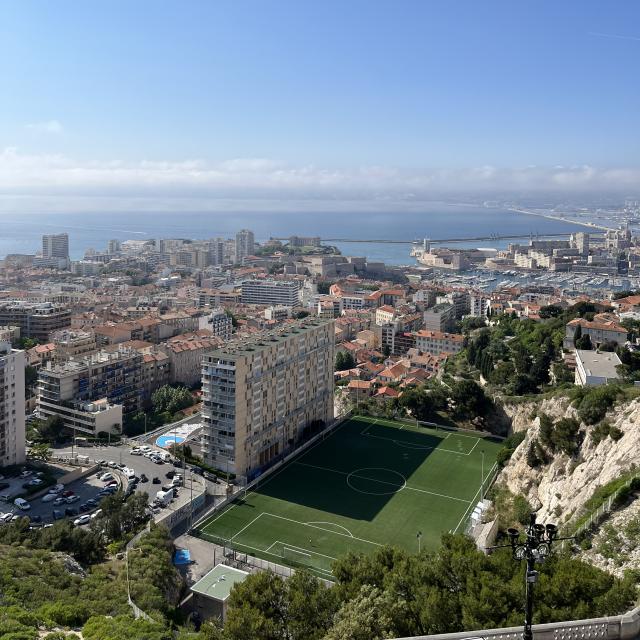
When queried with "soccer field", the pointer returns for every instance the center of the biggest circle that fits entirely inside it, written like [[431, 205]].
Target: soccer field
[[369, 483]]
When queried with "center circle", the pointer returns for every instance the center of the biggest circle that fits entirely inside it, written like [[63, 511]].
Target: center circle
[[376, 481]]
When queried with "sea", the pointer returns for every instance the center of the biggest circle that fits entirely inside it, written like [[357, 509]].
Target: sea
[[21, 233]]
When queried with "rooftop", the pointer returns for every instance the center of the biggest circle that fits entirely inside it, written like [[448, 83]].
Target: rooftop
[[601, 364], [218, 582]]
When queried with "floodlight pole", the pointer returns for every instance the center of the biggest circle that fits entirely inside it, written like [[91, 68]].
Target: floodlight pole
[[419, 536]]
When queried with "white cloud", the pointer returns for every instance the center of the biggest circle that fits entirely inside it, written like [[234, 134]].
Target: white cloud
[[48, 126], [55, 182]]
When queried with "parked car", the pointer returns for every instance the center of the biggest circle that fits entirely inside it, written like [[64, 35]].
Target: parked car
[[35, 482], [70, 511], [84, 507], [58, 501], [85, 519], [156, 480], [48, 497], [113, 483], [111, 464], [36, 518], [92, 502], [58, 488], [57, 514], [107, 477], [72, 499], [157, 459], [26, 473], [66, 494], [135, 452], [143, 478], [170, 474], [96, 514], [21, 503]]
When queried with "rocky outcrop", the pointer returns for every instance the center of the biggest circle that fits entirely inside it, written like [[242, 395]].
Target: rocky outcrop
[[559, 490]]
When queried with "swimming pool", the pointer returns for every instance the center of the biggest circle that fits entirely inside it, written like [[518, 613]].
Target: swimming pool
[[168, 439]]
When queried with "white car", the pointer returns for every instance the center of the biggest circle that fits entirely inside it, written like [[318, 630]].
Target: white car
[[35, 482], [26, 474], [176, 482], [49, 497], [84, 519], [6, 517], [112, 464], [96, 514], [130, 473], [135, 452], [107, 477], [21, 503], [59, 488]]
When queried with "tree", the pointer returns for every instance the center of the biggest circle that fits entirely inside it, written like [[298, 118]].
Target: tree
[[169, 399], [469, 399], [51, 430], [577, 334], [584, 342], [40, 451], [366, 617], [550, 311], [344, 361]]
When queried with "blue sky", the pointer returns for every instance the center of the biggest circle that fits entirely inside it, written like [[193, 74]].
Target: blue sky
[[244, 98]]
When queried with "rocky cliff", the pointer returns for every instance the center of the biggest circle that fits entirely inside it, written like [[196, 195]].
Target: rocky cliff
[[558, 490]]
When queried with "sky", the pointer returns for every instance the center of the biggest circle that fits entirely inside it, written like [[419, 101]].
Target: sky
[[190, 104]]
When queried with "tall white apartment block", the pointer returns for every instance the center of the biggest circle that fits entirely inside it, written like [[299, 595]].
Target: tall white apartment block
[[271, 292], [55, 246], [12, 430], [263, 397], [245, 244]]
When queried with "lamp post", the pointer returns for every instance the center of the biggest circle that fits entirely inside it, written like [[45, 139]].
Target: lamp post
[[534, 547], [419, 536]]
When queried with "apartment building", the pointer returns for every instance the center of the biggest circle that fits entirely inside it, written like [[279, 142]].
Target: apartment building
[[435, 342], [442, 317], [218, 322], [70, 344], [55, 246], [93, 393], [245, 244], [271, 292], [12, 407], [263, 396], [480, 304], [35, 319], [185, 355]]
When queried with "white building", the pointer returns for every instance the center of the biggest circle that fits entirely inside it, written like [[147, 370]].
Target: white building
[[219, 322], [271, 292], [12, 432], [480, 304], [55, 246], [595, 368], [245, 244]]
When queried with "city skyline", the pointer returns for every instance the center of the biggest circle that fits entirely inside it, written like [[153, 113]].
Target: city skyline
[[136, 107]]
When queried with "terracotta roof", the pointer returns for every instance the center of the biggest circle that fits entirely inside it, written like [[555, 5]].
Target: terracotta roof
[[598, 326]]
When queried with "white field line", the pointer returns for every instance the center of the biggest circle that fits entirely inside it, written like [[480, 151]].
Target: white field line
[[276, 555], [432, 493], [473, 500], [310, 553], [332, 524], [415, 446], [337, 533], [245, 527]]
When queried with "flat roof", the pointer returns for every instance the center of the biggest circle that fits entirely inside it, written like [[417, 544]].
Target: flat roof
[[218, 582], [601, 364]]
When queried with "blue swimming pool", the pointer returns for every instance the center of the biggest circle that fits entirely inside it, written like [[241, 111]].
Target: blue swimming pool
[[168, 439]]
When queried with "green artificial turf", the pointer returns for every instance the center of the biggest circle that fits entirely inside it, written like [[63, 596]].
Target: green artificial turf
[[369, 483]]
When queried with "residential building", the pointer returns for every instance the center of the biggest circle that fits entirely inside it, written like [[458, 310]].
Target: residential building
[[245, 245], [300, 241], [35, 319], [385, 314], [85, 268], [277, 313], [599, 332], [271, 292], [435, 342], [442, 317], [12, 405], [185, 354], [595, 368], [55, 246], [218, 322], [93, 393], [70, 344], [480, 304], [264, 396], [9, 334]]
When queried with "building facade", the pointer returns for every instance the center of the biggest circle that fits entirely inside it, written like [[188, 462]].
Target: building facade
[[263, 397], [55, 246], [12, 407], [245, 244], [35, 319], [271, 292]]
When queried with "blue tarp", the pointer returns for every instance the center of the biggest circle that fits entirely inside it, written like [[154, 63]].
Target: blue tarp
[[182, 556]]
